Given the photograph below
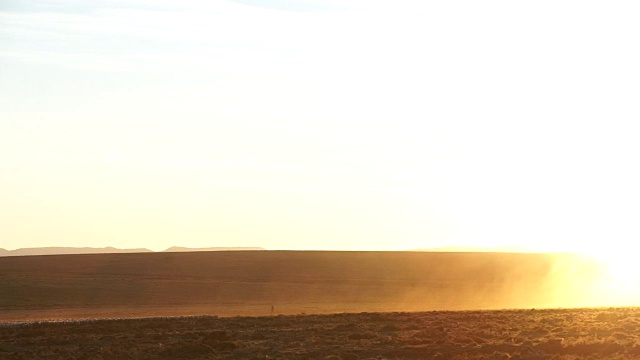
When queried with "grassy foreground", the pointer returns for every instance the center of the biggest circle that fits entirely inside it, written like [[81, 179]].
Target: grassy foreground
[[515, 334]]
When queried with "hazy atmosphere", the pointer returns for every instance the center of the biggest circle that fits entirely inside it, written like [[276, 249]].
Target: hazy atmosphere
[[319, 179], [357, 125]]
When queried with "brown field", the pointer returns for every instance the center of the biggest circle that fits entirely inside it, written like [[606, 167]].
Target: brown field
[[248, 283], [384, 305], [508, 334]]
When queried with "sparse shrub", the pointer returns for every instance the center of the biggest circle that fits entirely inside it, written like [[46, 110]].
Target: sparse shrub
[[345, 327], [619, 336], [361, 336], [390, 327], [604, 316], [603, 348], [551, 346], [499, 356], [634, 351], [187, 350], [219, 335], [258, 336], [225, 346], [478, 340], [349, 356]]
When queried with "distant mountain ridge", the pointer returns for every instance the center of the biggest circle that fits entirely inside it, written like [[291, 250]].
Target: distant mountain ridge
[[108, 250], [68, 250], [112, 250]]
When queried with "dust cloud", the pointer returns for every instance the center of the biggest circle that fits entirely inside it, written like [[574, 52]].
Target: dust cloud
[[249, 283], [520, 281]]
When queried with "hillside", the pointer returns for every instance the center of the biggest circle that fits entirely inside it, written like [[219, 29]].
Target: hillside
[[108, 250], [68, 251], [249, 282]]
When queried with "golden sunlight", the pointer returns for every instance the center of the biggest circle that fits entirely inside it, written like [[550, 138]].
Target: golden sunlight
[[618, 283]]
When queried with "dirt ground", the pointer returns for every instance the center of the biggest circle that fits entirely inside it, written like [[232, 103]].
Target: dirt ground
[[320, 282], [591, 333], [358, 305]]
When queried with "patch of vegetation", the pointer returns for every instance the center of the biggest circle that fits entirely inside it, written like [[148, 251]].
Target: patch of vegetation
[[561, 334]]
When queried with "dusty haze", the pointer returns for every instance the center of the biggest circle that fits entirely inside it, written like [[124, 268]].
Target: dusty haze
[[249, 282]]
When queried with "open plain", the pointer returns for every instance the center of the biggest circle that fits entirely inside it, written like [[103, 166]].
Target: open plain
[[232, 283], [307, 304], [569, 334]]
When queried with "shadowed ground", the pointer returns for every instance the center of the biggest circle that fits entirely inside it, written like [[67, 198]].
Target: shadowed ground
[[572, 334], [248, 283]]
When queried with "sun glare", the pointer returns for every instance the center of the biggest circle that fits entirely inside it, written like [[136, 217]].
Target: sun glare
[[618, 283]]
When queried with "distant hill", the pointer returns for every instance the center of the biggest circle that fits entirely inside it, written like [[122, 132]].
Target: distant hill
[[109, 250], [186, 249], [232, 283], [68, 251], [112, 250]]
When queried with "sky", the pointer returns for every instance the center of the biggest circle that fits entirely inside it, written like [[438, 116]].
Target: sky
[[320, 124]]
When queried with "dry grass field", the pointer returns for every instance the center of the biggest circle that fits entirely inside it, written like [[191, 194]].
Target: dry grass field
[[326, 305], [509, 334], [294, 282]]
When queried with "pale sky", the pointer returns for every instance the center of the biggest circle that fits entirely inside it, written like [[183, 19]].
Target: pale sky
[[360, 125]]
